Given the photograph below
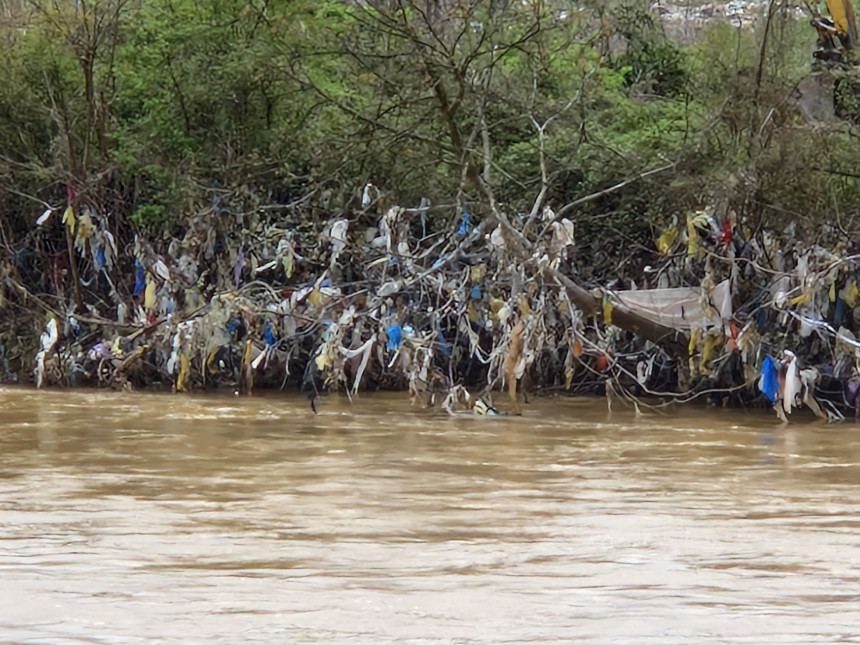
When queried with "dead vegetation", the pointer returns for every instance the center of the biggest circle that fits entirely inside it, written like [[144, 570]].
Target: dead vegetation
[[720, 314]]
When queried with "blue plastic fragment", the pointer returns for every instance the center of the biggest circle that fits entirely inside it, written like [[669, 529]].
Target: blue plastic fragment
[[475, 293], [769, 383], [464, 225], [270, 335], [325, 283], [327, 333], [101, 260], [395, 337], [840, 311], [139, 282], [761, 319], [437, 263], [443, 345]]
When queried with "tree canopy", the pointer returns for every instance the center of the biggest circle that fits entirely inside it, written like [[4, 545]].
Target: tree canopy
[[147, 107]]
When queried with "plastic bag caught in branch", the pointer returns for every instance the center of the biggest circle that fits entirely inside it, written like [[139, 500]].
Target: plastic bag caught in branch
[[515, 363], [337, 234], [387, 225], [149, 294], [464, 224], [497, 238], [161, 270], [395, 337], [850, 294], [562, 237], [607, 309], [178, 361], [369, 195], [47, 341], [696, 221], [69, 218], [139, 279], [364, 351], [667, 238], [768, 383], [86, 229], [791, 383]]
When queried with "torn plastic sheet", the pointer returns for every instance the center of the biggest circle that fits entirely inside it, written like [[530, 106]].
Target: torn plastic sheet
[[681, 308], [364, 352]]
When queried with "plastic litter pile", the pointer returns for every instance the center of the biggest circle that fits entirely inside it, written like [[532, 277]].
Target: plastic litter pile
[[450, 308]]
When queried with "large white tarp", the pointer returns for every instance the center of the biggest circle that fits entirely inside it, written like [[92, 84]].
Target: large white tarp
[[681, 308]]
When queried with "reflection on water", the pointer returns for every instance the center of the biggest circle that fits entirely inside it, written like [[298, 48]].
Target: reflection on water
[[153, 518]]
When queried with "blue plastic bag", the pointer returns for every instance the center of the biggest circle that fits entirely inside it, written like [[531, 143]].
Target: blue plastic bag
[[769, 381], [270, 335], [464, 225], [395, 337], [139, 281]]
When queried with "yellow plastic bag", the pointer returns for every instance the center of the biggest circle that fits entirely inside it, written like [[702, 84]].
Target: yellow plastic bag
[[667, 240], [149, 294]]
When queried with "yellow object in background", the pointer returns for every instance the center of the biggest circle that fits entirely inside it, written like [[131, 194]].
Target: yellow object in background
[[149, 294], [607, 309], [667, 240]]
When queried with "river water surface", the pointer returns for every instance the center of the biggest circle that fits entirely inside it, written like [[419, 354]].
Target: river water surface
[[146, 518]]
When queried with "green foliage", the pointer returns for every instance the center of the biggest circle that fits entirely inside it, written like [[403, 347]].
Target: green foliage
[[148, 216], [651, 60], [150, 103], [847, 99]]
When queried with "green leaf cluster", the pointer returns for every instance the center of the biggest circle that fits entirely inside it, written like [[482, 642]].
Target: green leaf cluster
[[152, 105]]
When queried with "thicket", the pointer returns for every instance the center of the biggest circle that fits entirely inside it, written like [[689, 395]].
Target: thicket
[[246, 113], [154, 109]]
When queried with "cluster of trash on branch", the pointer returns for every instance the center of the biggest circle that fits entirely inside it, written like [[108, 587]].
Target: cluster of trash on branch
[[392, 299]]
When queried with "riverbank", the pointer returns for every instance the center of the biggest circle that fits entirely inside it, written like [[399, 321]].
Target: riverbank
[[714, 312], [660, 224]]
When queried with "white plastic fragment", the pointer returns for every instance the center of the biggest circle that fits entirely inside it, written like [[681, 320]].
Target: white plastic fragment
[[161, 270], [337, 234], [364, 351], [369, 195], [792, 382], [47, 340]]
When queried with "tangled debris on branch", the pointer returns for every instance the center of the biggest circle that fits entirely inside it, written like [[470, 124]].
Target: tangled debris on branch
[[377, 300]]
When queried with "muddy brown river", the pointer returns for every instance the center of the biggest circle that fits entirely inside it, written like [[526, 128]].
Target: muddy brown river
[[150, 518]]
